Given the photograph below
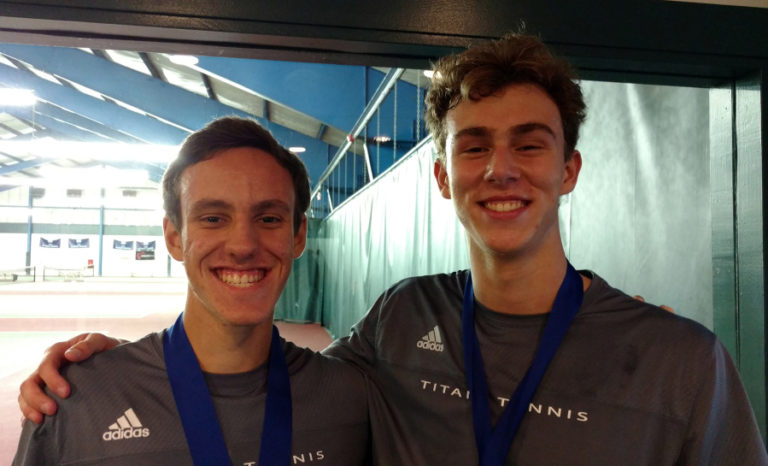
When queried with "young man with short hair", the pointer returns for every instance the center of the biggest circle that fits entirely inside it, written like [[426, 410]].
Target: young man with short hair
[[220, 386], [536, 363]]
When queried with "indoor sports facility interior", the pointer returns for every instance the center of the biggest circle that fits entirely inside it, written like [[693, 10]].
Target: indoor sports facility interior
[[96, 97]]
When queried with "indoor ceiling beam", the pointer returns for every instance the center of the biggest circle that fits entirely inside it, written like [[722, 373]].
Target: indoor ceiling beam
[[139, 126], [64, 122], [152, 95], [61, 128], [5, 169], [333, 94]]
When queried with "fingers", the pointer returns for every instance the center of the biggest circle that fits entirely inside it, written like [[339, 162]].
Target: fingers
[[663, 306], [667, 308], [48, 372], [89, 344], [33, 402]]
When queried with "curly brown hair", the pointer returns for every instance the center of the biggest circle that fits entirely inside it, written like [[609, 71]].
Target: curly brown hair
[[485, 69]]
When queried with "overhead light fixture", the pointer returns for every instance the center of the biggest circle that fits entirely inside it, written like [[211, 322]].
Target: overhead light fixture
[[99, 176], [13, 97], [185, 60], [104, 151], [297, 149], [382, 138]]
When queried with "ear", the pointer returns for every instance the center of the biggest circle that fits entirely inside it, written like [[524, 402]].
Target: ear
[[571, 176], [300, 238], [441, 176], [173, 240]]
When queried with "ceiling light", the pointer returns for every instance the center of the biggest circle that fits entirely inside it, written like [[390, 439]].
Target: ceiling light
[[99, 176], [186, 60], [105, 151], [297, 149], [382, 138], [12, 97]]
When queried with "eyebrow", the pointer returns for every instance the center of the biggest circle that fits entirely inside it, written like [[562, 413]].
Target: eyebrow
[[218, 204], [209, 204], [517, 130], [526, 128]]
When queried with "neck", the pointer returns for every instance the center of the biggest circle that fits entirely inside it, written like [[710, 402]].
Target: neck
[[223, 348], [521, 285]]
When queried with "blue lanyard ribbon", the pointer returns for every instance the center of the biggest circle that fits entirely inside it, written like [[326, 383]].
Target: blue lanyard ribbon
[[198, 415], [493, 444]]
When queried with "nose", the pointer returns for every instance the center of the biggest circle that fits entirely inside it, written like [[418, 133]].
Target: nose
[[502, 166], [242, 241]]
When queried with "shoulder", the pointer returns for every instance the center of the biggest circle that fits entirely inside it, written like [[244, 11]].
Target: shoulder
[[129, 368], [306, 364], [452, 282], [130, 377], [630, 318], [424, 292], [148, 346]]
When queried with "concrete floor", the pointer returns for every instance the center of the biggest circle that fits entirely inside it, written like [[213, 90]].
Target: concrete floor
[[35, 315]]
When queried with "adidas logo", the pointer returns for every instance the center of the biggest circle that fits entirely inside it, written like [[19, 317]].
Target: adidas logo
[[127, 426], [431, 341]]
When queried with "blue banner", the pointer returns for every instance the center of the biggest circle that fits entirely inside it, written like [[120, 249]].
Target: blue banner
[[122, 245], [44, 243], [79, 243]]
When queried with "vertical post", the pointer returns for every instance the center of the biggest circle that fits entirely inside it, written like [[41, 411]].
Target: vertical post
[[101, 233], [30, 203], [750, 250], [368, 167], [723, 201]]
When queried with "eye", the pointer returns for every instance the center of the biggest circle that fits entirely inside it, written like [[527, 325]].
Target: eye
[[270, 220], [208, 221], [473, 150]]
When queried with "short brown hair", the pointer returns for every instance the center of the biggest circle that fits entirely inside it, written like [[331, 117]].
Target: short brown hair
[[229, 133], [485, 69]]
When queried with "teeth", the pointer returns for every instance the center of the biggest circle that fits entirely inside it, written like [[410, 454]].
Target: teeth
[[504, 206], [240, 280]]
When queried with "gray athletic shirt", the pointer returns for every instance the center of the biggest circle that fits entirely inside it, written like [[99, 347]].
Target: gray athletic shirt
[[121, 412], [631, 383]]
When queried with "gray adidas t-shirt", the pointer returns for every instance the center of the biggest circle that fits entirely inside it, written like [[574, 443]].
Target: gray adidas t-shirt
[[121, 412], [631, 383]]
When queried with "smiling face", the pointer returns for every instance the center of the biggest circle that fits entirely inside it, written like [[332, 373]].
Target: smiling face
[[505, 170], [237, 237]]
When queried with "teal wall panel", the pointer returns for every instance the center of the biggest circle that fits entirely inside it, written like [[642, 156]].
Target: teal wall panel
[[302, 298]]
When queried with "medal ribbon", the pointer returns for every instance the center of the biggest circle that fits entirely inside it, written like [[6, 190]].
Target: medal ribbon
[[197, 413], [493, 444]]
